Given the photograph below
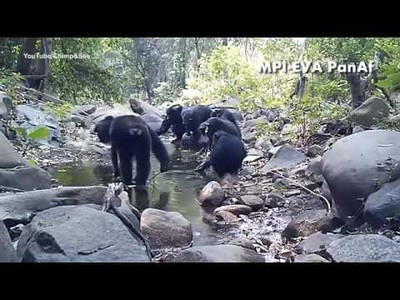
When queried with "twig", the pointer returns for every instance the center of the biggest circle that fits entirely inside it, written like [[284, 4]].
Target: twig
[[303, 187]]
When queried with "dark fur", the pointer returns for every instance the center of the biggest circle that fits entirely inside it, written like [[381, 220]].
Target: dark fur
[[212, 125], [225, 114]]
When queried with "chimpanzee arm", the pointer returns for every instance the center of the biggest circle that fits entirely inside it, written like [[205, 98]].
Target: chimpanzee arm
[[159, 150]]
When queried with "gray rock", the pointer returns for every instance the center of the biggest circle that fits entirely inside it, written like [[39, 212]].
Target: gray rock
[[249, 137], [5, 105], [370, 112], [79, 234], [358, 165], [153, 121], [314, 150], [305, 224], [227, 216], [212, 194], [84, 110], [310, 258], [364, 248], [236, 209], [317, 242], [35, 117], [21, 208], [255, 122], [141, 107], [285, 157], [253, 201], [242, 242], [25, 178], [383, 204], [7, 251], [274, 199], [218, 253], [165, 229], [9, 158], [79, 120]]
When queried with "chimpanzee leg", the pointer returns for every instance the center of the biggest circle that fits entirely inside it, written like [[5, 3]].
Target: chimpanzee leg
[[125, 164], [143, 165], [114, 160], [159, 150]]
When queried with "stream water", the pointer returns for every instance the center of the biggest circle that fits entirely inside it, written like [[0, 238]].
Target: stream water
[[175, 190]]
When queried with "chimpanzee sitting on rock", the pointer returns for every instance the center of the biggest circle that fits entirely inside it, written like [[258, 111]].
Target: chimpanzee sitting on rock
[[227, 154], [130, 138]]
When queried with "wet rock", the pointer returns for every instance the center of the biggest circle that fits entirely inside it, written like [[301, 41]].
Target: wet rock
[[364, 248], [317, 242], [255, 122], [358, 165], [212, 194], [21, 208], [9, 158], [383, 205], [249, 137], [314, 150], [242, 242], [310, 258], [25, 178], [7, 251], [274, 199], [227, 216], [305, 224], [84, 110], [253, 201], [165, 229], [218, 253], [285, 157], [370, 112], [236, 209], [79, 234]]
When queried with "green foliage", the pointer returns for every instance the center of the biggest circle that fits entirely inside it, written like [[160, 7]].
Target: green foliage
[[60, 111], [10, 81], [78, 79], [389, 75], [33, 134]]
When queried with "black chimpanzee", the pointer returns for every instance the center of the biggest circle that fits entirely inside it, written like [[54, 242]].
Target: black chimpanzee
[[227, 154], [225, 114], [130, 138], [186, 119], [173, 119], [212, 125]]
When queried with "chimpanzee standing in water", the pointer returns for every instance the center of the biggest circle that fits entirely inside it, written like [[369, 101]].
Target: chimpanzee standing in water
[[131, 138]]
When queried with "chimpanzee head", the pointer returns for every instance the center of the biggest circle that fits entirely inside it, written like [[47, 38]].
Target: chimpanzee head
[[103, 129]]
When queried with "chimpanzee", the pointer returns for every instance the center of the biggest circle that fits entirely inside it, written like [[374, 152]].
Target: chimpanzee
[[173, 119], [227, 154], [130, 138], [225, 114], [186, 119], [212, 125]]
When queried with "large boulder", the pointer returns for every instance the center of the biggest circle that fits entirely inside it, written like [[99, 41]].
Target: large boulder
[[358, 165], [153, 121], [7, 251], [79, 234], [369, 113], [383, 205], [212, 194], [165, 229], [364, 248], [141, 107], [218, 253], [21, 208], [25, 178], [35, 117], [9, 158]]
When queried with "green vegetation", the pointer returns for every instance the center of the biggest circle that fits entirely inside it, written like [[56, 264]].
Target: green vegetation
[[159, 70]]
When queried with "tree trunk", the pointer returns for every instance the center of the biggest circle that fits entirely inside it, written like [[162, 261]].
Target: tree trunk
[[357, 88], [224, 41], [182, 79], [24, 64], [44, 64]]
